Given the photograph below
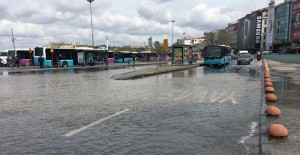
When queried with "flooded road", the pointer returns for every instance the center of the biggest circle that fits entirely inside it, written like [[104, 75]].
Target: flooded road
[[198, 111]]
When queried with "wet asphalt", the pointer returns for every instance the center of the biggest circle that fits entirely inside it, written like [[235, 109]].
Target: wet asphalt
[[286, 83]]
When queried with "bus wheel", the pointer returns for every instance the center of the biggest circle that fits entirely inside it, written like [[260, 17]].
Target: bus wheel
[[65, 64]]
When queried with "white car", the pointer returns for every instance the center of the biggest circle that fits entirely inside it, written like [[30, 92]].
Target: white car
[[267, 52], [242, 52]]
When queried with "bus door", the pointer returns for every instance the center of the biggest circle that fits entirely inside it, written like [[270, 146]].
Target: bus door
[[80, 58], [90, 58]]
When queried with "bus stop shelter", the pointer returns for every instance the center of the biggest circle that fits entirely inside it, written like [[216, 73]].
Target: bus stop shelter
[[183, 54]]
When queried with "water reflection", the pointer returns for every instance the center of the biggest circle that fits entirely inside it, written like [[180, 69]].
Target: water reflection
[[69, 70], [217, 69], [186, 73], [287, 91]]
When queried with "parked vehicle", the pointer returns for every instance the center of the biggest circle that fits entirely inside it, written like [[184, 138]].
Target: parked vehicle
[[244, 59]]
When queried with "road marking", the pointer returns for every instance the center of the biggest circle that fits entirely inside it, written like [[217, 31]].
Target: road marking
[[94, 123], [215, 98], [203, 95], [231, 97]]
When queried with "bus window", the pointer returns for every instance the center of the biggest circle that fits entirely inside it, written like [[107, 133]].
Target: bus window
[[38, 52]]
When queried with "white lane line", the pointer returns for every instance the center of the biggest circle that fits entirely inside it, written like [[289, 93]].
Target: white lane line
[[94, 123], [203, 96], [252, 131], [231, 97], [215, 98]]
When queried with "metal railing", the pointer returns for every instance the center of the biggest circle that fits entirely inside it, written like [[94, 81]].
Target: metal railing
[[290, 58]]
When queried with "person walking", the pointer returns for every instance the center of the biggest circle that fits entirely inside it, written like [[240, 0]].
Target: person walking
[[17, 62], [41, 61]]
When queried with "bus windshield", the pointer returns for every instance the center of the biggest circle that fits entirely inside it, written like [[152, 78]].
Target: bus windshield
[[110, 54], [213, 52]]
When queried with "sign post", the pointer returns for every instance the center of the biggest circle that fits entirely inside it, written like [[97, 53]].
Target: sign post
[[52, 51], [30, 57], [166, 46]]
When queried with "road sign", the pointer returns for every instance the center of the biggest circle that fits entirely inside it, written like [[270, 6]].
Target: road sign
[[166, 44], [52, 50]]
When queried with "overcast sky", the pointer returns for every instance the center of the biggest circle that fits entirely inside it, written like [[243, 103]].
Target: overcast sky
[[125, 22]]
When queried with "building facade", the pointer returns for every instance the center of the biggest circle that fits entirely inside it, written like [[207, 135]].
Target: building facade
[[249, 32], [263, 42], [295, 25], [281, 33], [232, 34]]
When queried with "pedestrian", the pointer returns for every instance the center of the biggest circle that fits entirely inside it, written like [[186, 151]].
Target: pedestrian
[[41, 61], [258, 56], [17, 62]]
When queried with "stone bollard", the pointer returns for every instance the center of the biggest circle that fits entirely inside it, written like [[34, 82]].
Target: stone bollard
[[269, 90], [271, 97], [272, 111], [268, 80], [268, 84], [267, 76], [278, 130]]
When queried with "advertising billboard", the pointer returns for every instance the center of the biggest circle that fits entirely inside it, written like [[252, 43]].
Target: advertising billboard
[[295, 24], [249, 31], [177, 55], [270, 26]]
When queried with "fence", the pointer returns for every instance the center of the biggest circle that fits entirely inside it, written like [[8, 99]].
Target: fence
[[290, 58]]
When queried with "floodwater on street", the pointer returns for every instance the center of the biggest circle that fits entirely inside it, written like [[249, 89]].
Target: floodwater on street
[[204, 110]]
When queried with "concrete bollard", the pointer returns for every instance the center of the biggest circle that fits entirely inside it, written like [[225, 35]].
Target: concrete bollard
[[268, 84], [272, 111], [271, 97], [267, 76], [278, 130], [268, 80], [269, 90]]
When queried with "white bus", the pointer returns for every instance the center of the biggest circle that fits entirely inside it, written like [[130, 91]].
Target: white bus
[[3, 58]]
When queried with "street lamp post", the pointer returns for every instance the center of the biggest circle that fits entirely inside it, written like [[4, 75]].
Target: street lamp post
[[91, 20], [172, 30]]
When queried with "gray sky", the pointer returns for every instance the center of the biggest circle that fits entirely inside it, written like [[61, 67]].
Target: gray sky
[[125, 22]]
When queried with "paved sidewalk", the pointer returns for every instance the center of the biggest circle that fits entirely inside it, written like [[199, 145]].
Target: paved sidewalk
[[286, 81]]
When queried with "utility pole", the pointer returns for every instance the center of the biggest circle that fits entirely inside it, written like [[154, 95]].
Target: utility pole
[[172, 30], [91, 21], [13, 39]]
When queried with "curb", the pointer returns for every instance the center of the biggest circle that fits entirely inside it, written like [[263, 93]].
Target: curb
[[150, 72]]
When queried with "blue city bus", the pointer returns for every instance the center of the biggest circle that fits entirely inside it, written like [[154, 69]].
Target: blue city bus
[[217, 55], [67, 57], [123, 56]]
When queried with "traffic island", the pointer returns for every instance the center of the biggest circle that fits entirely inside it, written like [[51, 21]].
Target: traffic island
[[152, 71]]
